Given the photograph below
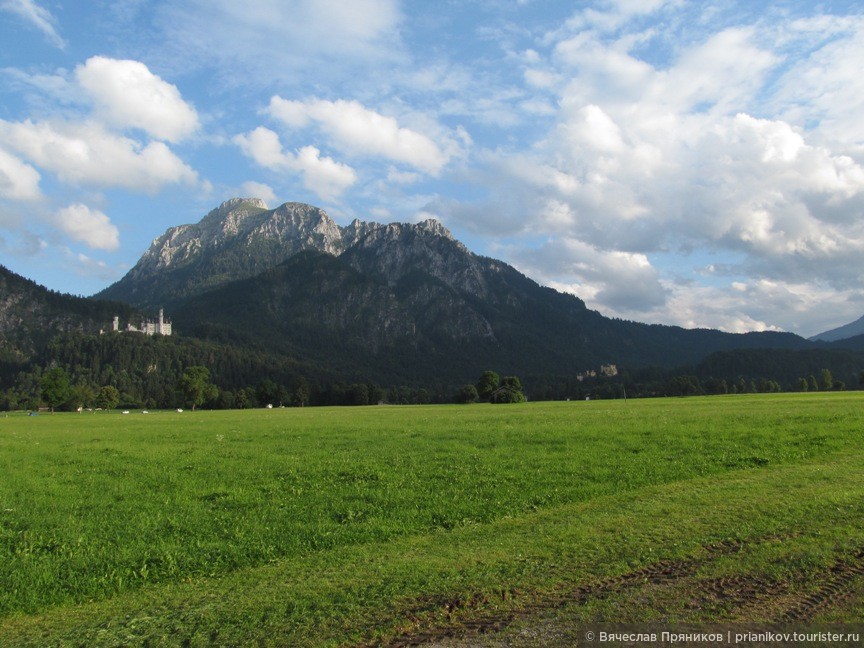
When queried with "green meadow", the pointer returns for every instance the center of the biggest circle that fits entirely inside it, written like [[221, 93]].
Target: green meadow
[[358, 526]]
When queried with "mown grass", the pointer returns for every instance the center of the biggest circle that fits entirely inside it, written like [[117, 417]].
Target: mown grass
[[317, 525]]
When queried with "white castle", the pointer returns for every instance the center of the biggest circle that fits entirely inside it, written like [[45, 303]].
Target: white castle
[[148, 327]]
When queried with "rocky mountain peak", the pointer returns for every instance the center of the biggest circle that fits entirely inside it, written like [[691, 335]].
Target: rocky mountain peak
[[435, 227], [242, 238], [232, 203], [227, 219], [236, 206], [374, 234]]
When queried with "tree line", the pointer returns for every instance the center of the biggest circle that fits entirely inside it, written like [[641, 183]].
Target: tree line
[[137, 371]]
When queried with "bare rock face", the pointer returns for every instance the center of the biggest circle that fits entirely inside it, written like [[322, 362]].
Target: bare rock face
[[243, 221], [237, 240], [242, 238], [397, 250], [181, 244]]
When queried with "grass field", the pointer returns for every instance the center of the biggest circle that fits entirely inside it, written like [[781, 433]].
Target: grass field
[[384, 525]]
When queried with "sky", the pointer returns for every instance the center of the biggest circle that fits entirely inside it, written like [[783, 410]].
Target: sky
[[667, 161]]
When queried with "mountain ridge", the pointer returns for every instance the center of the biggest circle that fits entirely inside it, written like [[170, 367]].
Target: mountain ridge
[[397, 302], [397, 298], [239, 239], [845, 332], [287, 296]]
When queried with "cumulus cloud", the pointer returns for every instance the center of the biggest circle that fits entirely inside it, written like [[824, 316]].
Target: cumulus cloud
[[741, 184], [621, 281], [259, 190], [263, 146], [322, 175], [89, 226], [86, 153], [18, 181], [359, 130], [650, 158], [128, 94], [38, 16], [744, 305]]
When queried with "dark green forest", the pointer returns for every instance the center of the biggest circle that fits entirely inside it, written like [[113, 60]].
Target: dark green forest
[[147, 372]]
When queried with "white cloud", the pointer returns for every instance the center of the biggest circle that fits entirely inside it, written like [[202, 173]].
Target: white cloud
[[824, 90], [594, 129], [37, 16], [260, 190], [402, 177], [735, 307], [805, 308], [37, 88], [736, 183], [620, 281], [86, 153], [361, 131], [659, 159], [89, 226], [263, 146], [322, 175], [712, 148], [18, 181], [715, 307], [541, 78], [709, 75], [128, 94]]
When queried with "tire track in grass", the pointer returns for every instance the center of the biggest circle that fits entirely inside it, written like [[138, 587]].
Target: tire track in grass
[[734, 592], [478, 621], [834, 589]]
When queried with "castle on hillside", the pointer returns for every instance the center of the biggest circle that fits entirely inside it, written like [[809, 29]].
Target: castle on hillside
[[148, 327], [609, 371]]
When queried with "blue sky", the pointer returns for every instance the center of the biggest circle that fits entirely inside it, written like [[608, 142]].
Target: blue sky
[[691, 163]]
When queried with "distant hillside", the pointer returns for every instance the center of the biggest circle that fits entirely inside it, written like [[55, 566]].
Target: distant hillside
[[30, 315], [401, 303], [851, 343], [785, 366], [841, 333], [394, 304]]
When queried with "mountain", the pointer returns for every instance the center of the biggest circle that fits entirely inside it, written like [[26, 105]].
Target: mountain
[[239, 239], [288, 295], [30, 315], [395, 303], [841, 333]]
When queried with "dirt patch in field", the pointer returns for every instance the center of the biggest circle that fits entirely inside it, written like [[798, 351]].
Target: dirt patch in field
[[480, 619]]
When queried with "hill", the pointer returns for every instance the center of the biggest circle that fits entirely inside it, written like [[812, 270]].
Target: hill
[[30, 315], [288, 296], [403, 303], [844, 332]]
